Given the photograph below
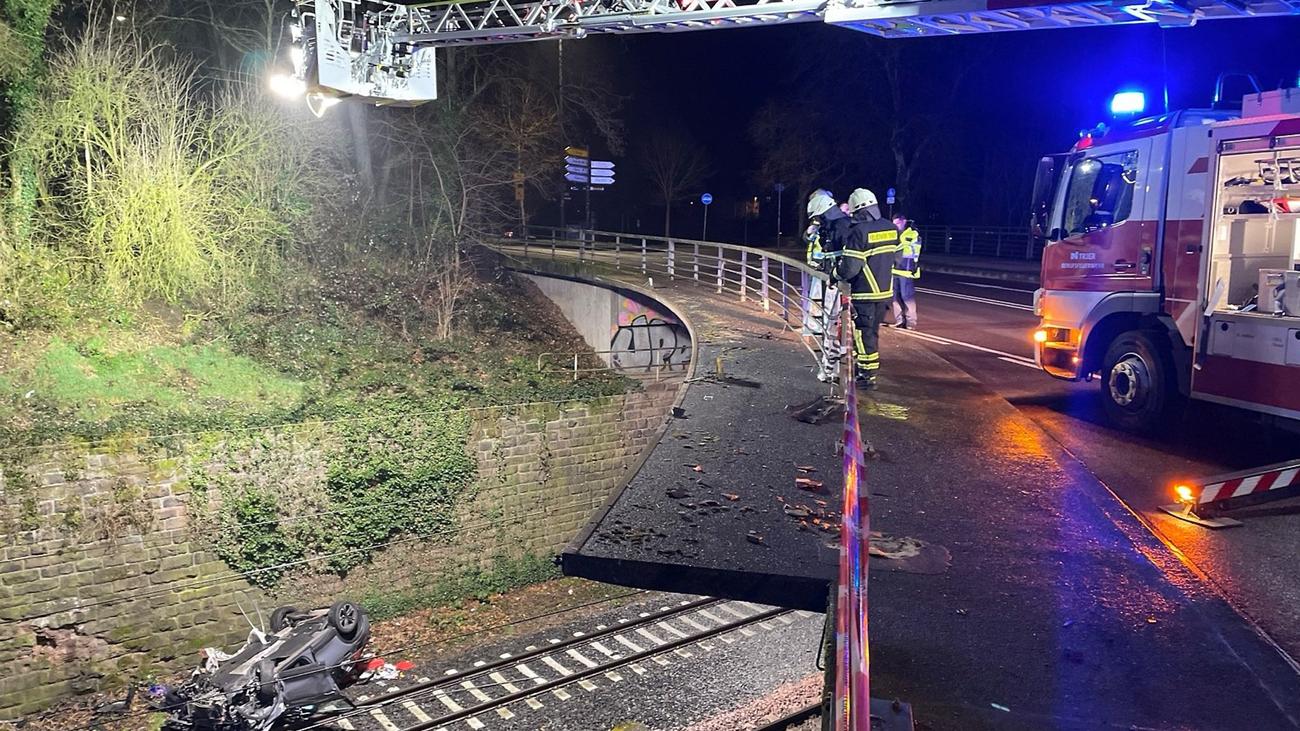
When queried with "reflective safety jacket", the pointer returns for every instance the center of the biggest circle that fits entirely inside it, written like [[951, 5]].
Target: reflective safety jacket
[[908, 263], [870, 250], [832, 233]]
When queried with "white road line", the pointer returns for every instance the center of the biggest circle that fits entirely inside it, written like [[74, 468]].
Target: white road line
[[602, 649], [931, 337], [996, 286], [446, 700], [415, 710], [646, 634], [527, 672], [629, 643], [474, 691], [972, 298], [581, 658], [556, 666], [1018, 362], [671, 629]]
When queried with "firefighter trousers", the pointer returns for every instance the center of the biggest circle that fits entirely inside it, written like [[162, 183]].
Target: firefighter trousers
[[869, 310]]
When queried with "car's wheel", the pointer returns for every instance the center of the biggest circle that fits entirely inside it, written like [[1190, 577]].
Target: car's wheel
[[1137, 381], [280, 618], [345, 617], [266, 691]]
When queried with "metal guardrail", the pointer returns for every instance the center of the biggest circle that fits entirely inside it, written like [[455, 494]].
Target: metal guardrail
[[778, 285], [1003, 242]]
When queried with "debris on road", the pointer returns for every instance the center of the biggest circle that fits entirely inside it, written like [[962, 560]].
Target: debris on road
[[754, 537], [808, 483]]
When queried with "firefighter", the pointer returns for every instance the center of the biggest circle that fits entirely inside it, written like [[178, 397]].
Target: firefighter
[[867, 266], [825, 236], [907, 269]]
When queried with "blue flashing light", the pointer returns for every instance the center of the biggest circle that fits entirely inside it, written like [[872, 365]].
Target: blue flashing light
[[1127, 103]]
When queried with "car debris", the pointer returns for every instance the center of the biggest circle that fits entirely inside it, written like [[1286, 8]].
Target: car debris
[[284, 676]]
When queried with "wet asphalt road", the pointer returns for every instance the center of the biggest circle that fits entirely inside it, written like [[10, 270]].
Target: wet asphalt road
[[1253, 566]]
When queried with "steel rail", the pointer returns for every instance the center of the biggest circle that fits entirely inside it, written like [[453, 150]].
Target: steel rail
[[593, 671]]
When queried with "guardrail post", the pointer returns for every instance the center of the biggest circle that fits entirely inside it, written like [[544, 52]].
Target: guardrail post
[[721, 269], [617, 240], [695, 261], [672, 259], [744, 273], [552, 248], [785, 296], [767, 302], [643, 269], [575, 367], [1029, 247], [998, 250], [972, 242]]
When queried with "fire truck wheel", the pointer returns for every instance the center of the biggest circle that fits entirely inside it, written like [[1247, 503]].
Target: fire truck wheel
[[1137, 381]]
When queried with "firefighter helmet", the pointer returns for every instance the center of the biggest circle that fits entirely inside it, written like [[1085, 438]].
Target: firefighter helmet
[[820, 202], [861, 198]]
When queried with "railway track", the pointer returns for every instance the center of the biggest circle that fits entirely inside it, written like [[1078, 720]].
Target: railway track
[[552, 672]]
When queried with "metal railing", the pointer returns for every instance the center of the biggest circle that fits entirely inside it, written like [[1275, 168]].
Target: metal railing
[[1003, 242], [778, 285]]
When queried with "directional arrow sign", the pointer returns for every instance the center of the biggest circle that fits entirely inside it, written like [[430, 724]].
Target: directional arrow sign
[[576, 160], [578, 169], [577, 151], [594, 180], [602, 165]]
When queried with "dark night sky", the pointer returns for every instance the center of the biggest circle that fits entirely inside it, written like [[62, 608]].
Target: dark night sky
[[1023, 95]]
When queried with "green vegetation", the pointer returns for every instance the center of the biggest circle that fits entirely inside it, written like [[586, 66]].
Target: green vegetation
[[503, 575]]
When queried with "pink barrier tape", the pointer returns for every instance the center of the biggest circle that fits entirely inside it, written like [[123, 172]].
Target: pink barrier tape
[[852, 710]]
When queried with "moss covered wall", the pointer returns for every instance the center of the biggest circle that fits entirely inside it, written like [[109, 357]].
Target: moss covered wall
[[116, 559]]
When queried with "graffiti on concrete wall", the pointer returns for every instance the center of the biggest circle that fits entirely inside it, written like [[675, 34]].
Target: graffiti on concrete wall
[[645, 338]]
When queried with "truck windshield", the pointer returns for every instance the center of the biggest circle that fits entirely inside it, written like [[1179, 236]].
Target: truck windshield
[[1100, 192]]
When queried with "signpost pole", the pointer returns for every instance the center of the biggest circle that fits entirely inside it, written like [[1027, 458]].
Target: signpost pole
[[588, 147], [780, 188]]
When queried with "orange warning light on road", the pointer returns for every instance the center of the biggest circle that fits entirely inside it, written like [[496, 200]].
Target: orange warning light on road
[[1040, 336], [1184, 493]]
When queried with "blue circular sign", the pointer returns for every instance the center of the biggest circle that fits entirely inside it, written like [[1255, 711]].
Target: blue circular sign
[[706, 199]]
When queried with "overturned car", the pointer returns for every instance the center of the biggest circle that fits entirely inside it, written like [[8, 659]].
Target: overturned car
[[285, 676]]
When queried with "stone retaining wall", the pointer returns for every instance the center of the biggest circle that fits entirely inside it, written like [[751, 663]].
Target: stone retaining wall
[[107, 562]]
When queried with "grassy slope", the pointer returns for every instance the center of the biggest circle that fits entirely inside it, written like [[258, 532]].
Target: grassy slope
[[336, 344]]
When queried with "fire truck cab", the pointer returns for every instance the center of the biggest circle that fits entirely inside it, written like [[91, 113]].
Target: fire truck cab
[[1171, 257]]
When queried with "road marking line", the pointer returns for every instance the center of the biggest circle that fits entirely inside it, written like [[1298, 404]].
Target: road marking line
[[582, 658], [505, 684], [671, 629], [613, 676], [646, 634], [997, 286], [711, 616], [1018, 362], [446, 700], [556, 666], [693, 624], [528, 673], [949, 341], [973, 298], [561, 694], [602, 649], [630, 644], [474, 691], [587, 685], [416, 711]]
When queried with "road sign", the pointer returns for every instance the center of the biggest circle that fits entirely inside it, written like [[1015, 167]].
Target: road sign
[[706, 199], [889, 196], [594, 180], [602, 165], [577, 151], [575, 160], [779, 187], [578, 169]]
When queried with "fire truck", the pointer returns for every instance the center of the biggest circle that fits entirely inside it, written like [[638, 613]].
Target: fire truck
[[1171, 257]]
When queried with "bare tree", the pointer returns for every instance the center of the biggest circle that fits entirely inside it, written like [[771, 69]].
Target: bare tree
[[793, 148], [676, 165]]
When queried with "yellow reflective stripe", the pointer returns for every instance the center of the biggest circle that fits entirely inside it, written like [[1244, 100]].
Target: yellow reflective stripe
[[872, 356], [857, 341], [872, 296], [855, 254], [871, 366], [871, 279], [876, 237]]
